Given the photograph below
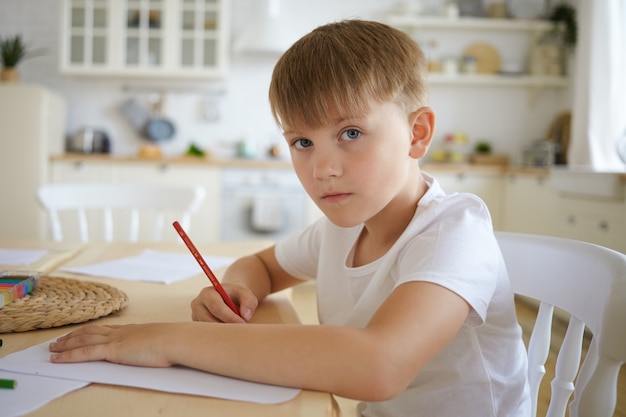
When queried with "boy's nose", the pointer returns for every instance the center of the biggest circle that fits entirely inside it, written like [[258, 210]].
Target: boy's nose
[[326, 165]]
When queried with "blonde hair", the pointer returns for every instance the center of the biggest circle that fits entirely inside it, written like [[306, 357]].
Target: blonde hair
[[338, 68]]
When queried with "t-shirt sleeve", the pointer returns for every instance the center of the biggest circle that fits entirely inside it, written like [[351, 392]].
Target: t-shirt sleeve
[[458, 251], [299, 254]]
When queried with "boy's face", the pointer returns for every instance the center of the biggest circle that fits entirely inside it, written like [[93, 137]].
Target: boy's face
[[354, 168]]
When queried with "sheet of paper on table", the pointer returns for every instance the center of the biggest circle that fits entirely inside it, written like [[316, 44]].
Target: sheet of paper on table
[[36, 361], [33, 392], [17, 257], [151, 265]]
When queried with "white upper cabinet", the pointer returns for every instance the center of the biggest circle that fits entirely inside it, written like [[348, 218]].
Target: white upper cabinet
[[144, 38]]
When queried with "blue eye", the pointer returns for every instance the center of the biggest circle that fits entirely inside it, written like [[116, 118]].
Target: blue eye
[[350, 134], [302, 143]]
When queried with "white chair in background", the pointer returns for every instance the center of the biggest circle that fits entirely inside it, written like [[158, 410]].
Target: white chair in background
[[137, 202], [589, 282]]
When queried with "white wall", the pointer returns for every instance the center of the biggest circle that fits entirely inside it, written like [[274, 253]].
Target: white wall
[[503, 115]]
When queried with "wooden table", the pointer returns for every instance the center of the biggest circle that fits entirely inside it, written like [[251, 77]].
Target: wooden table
[[150, 302]]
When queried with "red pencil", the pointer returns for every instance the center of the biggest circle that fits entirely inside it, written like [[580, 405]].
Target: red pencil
[[206, 268]]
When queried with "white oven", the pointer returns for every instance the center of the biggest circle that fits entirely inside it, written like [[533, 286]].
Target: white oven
[[261, 204]]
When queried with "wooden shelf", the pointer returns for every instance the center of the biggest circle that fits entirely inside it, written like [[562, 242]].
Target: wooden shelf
[[497, 80], [468, 23]]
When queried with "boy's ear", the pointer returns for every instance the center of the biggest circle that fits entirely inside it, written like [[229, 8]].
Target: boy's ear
[[423, 127]]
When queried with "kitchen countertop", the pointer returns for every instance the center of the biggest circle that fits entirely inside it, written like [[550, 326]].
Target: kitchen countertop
[[282, 163], [460, 168], [176, 160]]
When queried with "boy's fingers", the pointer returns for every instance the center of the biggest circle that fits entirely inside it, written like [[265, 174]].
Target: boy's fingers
[[81, 354]]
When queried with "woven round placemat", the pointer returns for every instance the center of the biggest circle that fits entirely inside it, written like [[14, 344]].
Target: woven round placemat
[[57, 302]]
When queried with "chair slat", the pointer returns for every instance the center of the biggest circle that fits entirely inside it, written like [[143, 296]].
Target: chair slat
[[107, 224], [538, 350], [598, 396], [567, 364], [134, 225], [55, 225], [82, 225]]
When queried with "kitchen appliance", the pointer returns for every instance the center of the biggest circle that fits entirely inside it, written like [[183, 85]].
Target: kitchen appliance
[[261, 204], [32, 122], [89, 140], [539, 154]]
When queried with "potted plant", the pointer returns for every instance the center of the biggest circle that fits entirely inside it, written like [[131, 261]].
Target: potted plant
[[563, 17], [13, 50]]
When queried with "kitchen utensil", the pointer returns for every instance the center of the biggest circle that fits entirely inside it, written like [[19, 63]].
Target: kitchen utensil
[[89, 140], [487, 57], [158, 128], [136, 115]]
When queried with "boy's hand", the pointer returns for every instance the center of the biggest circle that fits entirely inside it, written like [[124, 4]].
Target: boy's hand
[[209, 306], [139, 345]]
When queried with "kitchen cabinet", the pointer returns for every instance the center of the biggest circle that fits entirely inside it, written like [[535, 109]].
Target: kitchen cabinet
[[205, 222], [529, 204], [599, 221], [184, 39], [441, 37]]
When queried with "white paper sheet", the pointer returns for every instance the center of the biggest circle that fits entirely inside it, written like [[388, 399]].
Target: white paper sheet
[[32, 392], [36, 361], [20, 256], [153, 266]]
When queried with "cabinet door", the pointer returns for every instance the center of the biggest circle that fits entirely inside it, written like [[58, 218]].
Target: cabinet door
[[86, 30], [487, 187], [154, 38], [62, 171], [145, 26], [596, 221], [529, 205], [202, 29]]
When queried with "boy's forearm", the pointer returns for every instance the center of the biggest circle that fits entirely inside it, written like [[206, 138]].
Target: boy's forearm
[[323, 358]]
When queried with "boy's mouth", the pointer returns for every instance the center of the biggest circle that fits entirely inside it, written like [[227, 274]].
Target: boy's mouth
[[335, 197]]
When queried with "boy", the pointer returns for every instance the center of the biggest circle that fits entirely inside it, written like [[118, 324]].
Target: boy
[[417, 317]]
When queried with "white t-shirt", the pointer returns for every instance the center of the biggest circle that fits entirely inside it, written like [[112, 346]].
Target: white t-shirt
[[482, 371]]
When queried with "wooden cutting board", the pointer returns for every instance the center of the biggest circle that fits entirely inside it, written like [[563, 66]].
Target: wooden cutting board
[[488, 59]]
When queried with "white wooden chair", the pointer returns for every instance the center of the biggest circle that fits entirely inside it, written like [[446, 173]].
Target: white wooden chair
[[589, 282], [114, 206]]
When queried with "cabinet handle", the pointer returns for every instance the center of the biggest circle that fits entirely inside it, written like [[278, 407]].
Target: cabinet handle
[[603, 225], [80, 165], [571, 219]]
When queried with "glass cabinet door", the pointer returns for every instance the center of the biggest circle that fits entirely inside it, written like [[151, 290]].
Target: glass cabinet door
[[156, 38], [89, 22], [199, 22], [144, 33]]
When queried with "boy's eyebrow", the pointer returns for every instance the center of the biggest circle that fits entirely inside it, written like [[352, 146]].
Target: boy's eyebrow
[[333, 121]]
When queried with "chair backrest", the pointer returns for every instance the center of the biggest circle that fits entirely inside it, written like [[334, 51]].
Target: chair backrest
[[588, 282], [113, 206]]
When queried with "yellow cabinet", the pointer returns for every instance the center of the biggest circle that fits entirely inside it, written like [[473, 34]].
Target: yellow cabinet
[[529, 204]]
